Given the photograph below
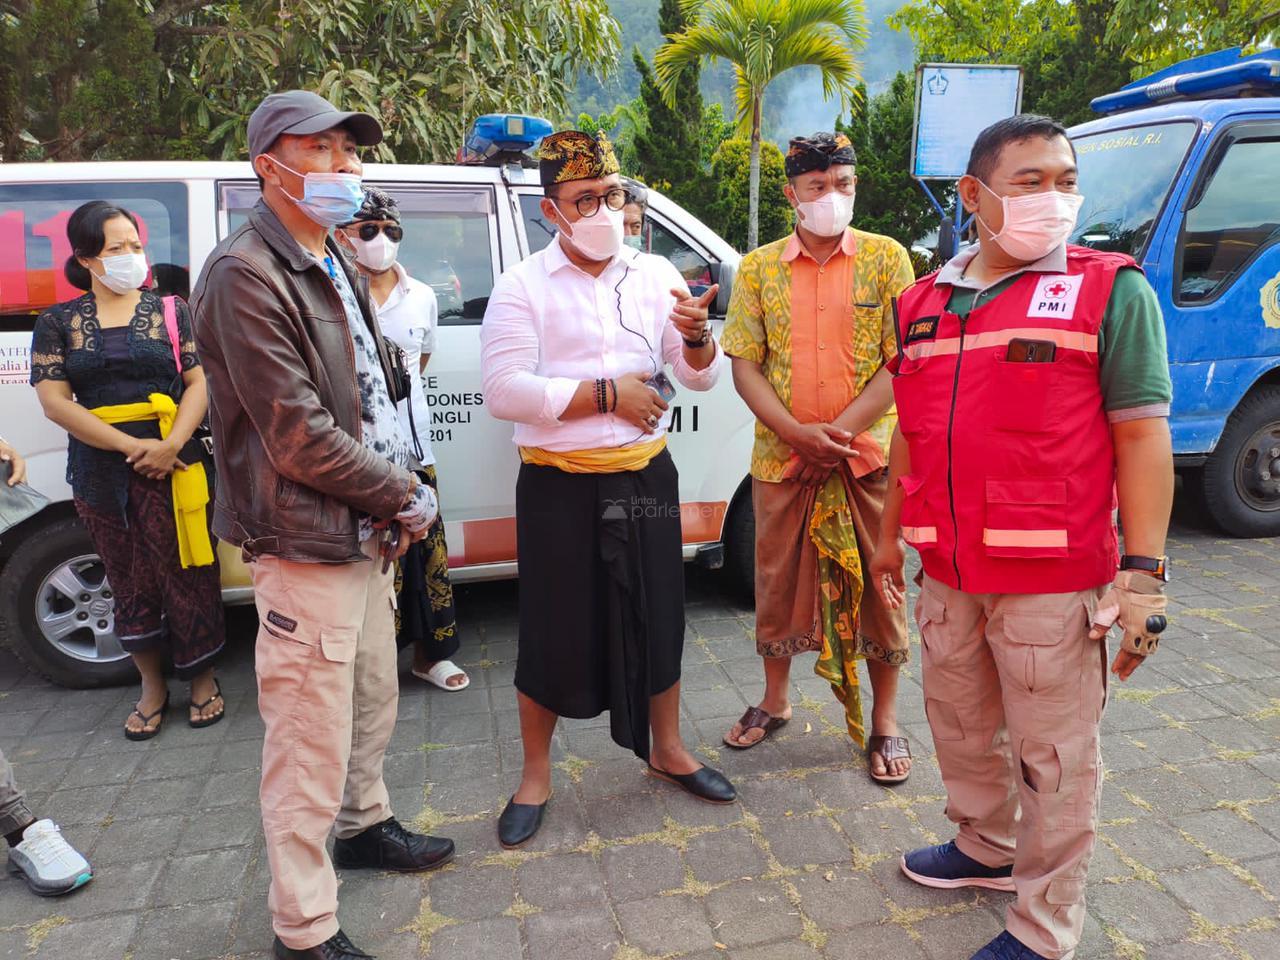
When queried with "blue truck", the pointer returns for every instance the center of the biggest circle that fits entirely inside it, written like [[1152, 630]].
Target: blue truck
[[1181, 170]]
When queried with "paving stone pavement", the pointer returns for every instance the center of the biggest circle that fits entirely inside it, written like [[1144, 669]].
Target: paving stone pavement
[[804, 867]]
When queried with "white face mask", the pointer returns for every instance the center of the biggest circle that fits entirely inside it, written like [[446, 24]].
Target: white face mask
[[599, 236], [827, 216], [124, 272], [377, 254], [1036, 224]]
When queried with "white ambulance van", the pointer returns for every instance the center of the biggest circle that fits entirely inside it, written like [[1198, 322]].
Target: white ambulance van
[[464, 225]]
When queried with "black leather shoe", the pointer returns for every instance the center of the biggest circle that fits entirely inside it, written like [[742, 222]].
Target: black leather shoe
[[337, 947], [519, 822], [704, 783], [389, 846]]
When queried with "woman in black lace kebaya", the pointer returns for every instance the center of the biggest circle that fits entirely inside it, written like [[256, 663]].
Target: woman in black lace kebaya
[[99, 352]]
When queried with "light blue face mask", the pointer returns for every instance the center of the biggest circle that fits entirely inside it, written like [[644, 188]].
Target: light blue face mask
[[635, 243], [329, 199]]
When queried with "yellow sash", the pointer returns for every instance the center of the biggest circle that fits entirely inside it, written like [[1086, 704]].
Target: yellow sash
[[598, 460], [190, 486]]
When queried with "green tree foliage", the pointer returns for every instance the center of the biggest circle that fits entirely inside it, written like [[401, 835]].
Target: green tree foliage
[[890, 201], [148, 79], [729, 212], [1073, 52], [668, 155], [763, 39], [1157, 33], [81, 81], [623, 125], [427, 69]]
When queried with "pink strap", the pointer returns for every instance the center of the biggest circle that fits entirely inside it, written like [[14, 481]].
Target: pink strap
[[171, 325]]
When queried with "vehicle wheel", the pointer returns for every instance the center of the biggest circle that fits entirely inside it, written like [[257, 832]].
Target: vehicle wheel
[[740, 546], [56, 610], [1242, 476]]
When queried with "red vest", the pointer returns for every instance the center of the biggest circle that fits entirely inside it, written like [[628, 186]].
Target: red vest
[[1012, 482]]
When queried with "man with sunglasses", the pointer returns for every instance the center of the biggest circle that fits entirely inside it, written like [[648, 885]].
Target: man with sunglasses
[[408, 314], [573, 341]]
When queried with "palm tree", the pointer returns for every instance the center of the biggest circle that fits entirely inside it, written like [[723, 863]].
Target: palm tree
[[763, 39]]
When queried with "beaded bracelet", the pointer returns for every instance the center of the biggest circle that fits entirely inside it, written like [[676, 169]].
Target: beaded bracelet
[[613, 385]]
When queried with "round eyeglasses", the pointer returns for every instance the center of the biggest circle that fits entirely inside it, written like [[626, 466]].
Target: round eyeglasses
[[587, 205]]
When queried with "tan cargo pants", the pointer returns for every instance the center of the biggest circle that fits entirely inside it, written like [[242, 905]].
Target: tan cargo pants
[[327, 692], [1015, 689]]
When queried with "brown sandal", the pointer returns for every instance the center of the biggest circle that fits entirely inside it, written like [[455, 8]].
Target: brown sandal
[[754, 719], [890, 748]]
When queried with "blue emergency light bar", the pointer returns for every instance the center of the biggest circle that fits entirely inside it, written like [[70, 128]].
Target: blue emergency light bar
[[502, 137], [1228, 75]]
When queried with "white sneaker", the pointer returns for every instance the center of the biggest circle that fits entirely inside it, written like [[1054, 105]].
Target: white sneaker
[[49, 864]]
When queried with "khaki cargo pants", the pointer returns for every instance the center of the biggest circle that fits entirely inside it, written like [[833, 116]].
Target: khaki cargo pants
[[327, 692], [1015, 689]]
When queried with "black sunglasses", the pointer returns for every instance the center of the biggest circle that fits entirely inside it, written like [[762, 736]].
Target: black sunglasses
[[367, 231]]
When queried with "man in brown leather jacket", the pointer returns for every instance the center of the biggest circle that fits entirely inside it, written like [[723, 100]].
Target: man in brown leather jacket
[[315, 485]]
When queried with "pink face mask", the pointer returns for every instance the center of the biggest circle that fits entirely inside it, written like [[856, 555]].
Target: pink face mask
[[1036, 224]]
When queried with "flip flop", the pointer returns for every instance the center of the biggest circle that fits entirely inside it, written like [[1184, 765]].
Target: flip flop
[[890, 748], [755, 718], [441, 672], [146, 718], [203, 722]]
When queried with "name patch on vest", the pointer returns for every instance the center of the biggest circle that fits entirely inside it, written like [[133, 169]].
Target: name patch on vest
[[1055, 296], [923, 328]]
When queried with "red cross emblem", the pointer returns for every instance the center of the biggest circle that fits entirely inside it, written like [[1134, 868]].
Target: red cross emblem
[[1058, 290]]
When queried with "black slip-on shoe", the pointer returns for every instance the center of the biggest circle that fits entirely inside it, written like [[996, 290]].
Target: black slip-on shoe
[[520, 822], [389, 846], [704, 783], [337, 947]]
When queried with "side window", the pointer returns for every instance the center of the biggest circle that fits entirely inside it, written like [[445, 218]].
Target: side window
[[450, 235], [34, 245], [692, 265], [1236, 216], [537, 229]]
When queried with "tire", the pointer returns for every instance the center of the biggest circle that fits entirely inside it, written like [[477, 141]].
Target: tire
[[740, 545], [1236, 496], [57, 612]]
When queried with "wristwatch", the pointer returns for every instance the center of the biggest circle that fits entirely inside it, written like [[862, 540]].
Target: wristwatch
[[702, 341], [1158, 567]]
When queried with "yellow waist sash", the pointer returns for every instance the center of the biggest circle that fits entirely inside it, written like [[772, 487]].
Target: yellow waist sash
[[190, 486], [597, 460]]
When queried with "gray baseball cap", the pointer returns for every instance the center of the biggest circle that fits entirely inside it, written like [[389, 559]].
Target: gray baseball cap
[[301, 112]]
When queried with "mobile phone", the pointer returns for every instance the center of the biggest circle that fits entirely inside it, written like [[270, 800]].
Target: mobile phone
[[662, 386], [1031, 351], [390, 541]]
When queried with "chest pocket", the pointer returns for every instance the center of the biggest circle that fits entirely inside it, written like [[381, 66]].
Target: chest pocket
[[1026, 396], [867, 328]]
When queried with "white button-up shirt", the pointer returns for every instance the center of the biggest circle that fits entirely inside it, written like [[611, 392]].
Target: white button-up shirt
[[409, 317], [550, 325]]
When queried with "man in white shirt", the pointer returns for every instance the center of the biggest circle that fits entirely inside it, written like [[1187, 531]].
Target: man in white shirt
[[571, 340], [408, 314]]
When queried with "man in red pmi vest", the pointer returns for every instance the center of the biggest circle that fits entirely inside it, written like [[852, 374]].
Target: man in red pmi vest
[[1033, 393]]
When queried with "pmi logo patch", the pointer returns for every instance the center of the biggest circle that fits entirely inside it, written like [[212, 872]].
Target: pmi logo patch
[[1055, 296]]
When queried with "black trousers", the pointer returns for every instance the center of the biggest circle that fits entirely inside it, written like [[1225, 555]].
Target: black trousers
[[601, 592]]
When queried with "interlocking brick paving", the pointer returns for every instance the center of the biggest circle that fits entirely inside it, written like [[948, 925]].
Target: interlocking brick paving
[[805, 866]]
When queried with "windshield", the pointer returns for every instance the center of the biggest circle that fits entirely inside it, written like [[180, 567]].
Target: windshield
[[1125, 176]]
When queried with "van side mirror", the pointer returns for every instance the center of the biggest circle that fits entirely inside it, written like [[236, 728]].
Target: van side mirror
[[723, 274]]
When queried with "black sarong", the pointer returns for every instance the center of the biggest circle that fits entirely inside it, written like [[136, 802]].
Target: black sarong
[[601, 593]]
